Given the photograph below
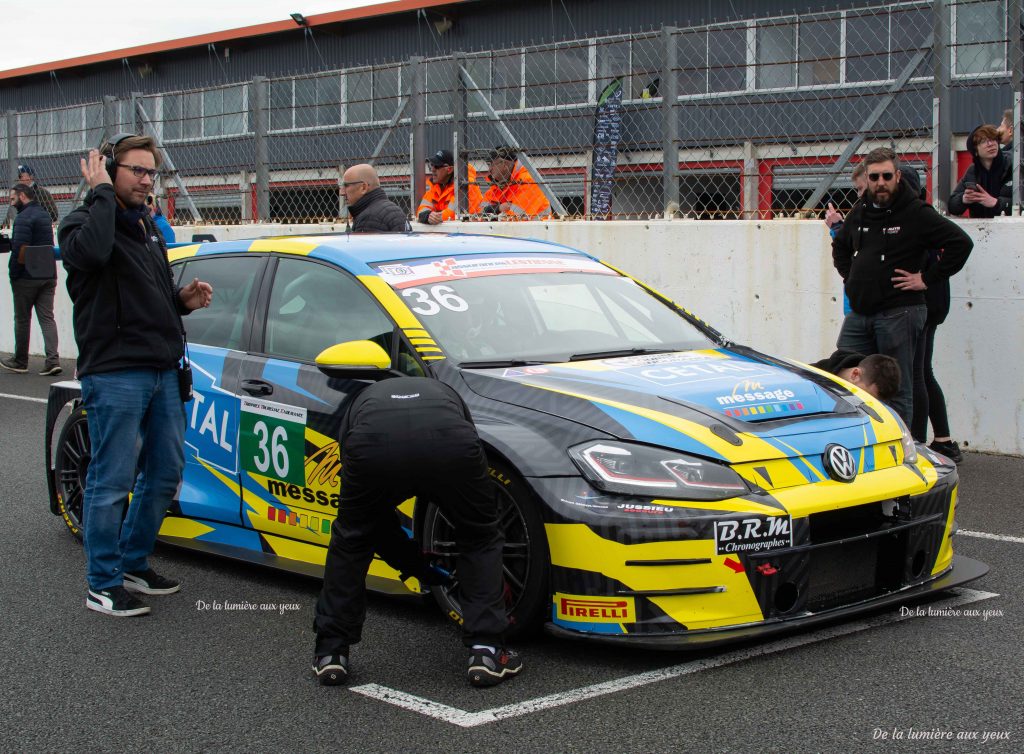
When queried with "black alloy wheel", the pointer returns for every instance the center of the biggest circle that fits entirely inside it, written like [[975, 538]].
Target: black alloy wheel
[[71, 463], [524, 554]]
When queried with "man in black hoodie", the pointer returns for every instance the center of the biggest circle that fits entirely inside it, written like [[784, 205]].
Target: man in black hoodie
[[372, 211], [127, 322], [880, 252]]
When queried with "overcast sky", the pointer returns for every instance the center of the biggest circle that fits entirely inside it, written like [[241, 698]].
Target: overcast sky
[[43, 31]]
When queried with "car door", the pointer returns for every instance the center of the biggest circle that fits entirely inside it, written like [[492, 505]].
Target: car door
[[290, 412], [218, 337]]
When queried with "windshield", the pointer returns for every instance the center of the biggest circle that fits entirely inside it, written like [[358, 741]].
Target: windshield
[[500, 310]]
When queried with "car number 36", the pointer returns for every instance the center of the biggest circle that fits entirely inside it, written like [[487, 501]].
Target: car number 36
[[429, 302]]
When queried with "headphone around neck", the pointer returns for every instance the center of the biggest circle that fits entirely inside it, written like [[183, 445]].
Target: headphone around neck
[[111, 162]]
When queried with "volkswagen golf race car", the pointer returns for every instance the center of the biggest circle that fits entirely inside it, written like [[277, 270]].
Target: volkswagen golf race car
[[658, 485]]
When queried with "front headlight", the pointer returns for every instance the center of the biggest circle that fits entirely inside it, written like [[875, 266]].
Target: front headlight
[[654, 472], [907, 441]]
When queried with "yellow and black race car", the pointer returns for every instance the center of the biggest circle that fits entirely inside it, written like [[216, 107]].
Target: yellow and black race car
[[659, 485]]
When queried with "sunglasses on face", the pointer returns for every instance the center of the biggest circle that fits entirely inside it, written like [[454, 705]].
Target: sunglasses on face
[[873, 177]]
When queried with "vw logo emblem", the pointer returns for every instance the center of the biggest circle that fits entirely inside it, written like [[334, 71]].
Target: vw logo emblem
[[839, 463]]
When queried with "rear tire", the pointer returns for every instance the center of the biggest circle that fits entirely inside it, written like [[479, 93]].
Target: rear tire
[[71, 464], [525, 554]]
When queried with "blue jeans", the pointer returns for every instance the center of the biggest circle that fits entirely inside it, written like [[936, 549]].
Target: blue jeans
[[136, 427], [894, 332]]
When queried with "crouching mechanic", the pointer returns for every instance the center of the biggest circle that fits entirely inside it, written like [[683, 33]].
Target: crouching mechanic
[[876, 374], [405, 437]]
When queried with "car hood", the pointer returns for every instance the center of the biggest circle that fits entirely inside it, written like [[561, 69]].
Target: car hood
[[727, 404]]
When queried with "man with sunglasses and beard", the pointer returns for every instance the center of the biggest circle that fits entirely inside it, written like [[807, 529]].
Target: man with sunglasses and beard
[[880, 253]]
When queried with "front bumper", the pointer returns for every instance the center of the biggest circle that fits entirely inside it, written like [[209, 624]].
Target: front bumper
[[657, 574], [963, 571]]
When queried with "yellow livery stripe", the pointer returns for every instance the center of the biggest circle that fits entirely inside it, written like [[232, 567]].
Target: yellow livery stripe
[[577, 546], [753, 447], [284, 246]]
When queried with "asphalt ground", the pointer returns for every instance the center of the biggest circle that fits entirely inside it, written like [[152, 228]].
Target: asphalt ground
[[189, 678]]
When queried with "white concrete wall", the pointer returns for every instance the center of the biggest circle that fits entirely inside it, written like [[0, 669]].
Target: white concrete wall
[[771, 285]]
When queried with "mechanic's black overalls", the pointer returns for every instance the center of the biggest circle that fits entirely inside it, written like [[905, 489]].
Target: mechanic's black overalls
[[402, 437]]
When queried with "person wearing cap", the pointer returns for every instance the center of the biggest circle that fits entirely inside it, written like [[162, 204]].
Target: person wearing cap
[[44, 198], [438, 203], [877, 374], [514, 194], [32, 227]]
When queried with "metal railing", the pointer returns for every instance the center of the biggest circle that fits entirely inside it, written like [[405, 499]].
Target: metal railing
[[748, 119]]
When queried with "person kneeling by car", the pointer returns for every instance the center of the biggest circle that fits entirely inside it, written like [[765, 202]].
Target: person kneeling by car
[[405, 437], [876, 374]]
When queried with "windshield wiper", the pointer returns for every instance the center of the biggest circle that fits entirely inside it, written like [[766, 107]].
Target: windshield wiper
[[497, 363], [617, 353]]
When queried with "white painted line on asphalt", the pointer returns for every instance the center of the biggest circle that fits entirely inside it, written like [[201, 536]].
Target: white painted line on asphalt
[[986, 535], [22, 398], [466, 719]]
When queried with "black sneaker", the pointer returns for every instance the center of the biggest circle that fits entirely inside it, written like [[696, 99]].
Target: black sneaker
[[150, 582], [51, 371], [331, 670], [116, 601], [488, 668], [948, 448], [12, 366]]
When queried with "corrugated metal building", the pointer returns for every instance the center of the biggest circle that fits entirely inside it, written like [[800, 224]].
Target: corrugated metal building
[[767, 94]]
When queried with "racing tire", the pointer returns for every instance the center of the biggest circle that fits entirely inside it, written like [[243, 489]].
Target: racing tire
[[71, 463], [525, 554]]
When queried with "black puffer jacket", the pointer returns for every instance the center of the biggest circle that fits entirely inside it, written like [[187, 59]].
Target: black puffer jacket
[[876, 241], [997, 180], [32, 227], [375, 213], [126, 309]]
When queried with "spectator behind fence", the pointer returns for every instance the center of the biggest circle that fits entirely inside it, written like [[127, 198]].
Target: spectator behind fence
[[157, 216], [514, 194], [32, 227], [127, 321], [371, 210], [27, 175], [876, 374], [438, 203], [880, 253], [834, 218], [986, 188], [1005, 131]]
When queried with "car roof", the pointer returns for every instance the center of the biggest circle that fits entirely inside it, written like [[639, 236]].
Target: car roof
[[357, 251]]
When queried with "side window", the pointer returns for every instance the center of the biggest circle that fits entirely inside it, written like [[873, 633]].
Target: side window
[[313, 306], [234, 280]]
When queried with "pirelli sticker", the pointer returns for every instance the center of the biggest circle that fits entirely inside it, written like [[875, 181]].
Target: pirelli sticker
[[580, 609]]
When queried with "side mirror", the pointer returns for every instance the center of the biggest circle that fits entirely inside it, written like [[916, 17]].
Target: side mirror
[[355, 360]]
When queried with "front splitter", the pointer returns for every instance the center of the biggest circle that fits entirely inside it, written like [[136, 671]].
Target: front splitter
[[963, 571]]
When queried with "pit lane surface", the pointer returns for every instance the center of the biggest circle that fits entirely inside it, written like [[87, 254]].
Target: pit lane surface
[[191, 677]]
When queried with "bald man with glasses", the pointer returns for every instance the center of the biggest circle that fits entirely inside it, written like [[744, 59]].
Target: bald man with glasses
[[880, 252], [371, 210]]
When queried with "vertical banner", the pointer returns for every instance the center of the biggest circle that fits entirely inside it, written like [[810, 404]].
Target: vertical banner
[[607, 133]]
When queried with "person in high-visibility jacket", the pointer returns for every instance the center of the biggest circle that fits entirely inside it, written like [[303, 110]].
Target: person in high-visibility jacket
[[514, 194], [438, 203]]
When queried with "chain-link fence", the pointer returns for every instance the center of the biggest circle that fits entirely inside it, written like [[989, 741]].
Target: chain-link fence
[[747, 119]]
